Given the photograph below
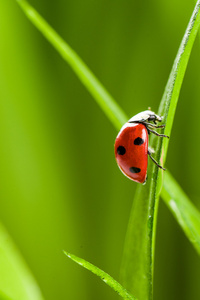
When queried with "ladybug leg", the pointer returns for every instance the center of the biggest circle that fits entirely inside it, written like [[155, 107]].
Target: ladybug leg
[[156, 133], [148, 130], [159, 126], [154, 125], [145, 180], [155, 162]]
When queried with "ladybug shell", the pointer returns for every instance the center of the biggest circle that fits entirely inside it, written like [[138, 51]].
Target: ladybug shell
[[131, 149]]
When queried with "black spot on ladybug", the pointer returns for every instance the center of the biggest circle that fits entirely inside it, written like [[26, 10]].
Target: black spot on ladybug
[[121, 150], [135, 170], [138, 141]]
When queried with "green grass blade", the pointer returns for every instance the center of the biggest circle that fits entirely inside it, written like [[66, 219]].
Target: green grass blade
[[5, 297], [138, 262], [183, 210], [102, 97], [16, 281], [104, 276], [145, 206], [170, 98]]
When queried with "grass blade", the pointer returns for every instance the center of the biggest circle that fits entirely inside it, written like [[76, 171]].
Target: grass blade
[[16, 280], [138, 271], [5, 297], [183, 210], [138, 262], [102, 97], [104, 276], [170, 98]]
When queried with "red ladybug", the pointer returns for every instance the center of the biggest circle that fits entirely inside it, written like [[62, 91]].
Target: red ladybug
[[131, 145]]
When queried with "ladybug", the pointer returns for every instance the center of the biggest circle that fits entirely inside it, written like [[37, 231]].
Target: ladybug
[[131, 145]]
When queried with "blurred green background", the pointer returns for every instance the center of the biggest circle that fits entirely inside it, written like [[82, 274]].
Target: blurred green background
[[60, 187]]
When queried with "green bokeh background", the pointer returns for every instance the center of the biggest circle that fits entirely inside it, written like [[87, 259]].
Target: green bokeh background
[[60, 187]]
